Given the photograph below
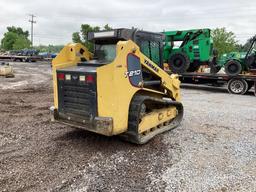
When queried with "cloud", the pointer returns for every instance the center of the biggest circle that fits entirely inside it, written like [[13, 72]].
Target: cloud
[[58, 19]]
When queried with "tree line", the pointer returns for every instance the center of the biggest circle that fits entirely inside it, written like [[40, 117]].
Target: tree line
[[15, 38]]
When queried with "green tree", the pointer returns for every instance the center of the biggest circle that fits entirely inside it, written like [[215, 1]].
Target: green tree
[[8, 40], [18, 30], [76, 37], [83, 38], [239, 47], [224, 41], [107, 27], [85, 28], [21, 43], [15, 38]]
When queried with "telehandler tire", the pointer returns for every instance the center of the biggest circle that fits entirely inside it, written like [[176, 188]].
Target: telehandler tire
[[233, 68], [179, 63]]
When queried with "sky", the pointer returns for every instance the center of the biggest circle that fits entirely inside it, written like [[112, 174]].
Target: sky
[[56, 20]]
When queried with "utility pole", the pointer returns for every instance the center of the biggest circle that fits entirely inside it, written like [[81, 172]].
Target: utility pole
[[32, 21]]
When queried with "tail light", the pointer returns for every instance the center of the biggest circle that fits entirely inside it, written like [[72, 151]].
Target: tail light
[[89, 79], [60, 76]]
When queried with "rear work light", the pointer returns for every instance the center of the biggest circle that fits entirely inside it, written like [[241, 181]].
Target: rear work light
[[89, 79], [68, 77], [82, 78], [61, 76]]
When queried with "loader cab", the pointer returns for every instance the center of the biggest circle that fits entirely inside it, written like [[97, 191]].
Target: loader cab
[[151, 44]]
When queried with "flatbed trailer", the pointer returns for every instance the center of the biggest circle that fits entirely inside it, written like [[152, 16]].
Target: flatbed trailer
[[239, 84], [21, 58]]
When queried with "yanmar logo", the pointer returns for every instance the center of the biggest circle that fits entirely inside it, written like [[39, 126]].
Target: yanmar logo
[[151, 65], [75, 77]]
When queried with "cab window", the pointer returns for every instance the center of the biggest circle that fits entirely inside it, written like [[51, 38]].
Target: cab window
[[151, 49]]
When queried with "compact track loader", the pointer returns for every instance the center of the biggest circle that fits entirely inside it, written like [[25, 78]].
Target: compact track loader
[[120, 89]]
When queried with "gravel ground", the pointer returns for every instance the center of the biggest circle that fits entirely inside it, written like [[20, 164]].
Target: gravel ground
[[213, 150]]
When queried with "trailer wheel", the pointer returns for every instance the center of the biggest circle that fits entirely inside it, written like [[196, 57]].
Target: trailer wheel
[[237, 86], [233, 68], [179, 63]]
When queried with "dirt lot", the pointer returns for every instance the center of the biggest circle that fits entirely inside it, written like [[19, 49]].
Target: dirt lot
[[213, 150]]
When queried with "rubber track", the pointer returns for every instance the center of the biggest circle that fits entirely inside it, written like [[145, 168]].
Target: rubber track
[[133, 119]]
